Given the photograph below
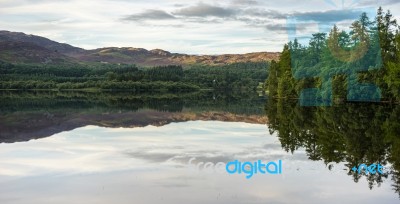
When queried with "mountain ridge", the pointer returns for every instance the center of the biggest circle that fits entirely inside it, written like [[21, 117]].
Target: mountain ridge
[[18, 47]]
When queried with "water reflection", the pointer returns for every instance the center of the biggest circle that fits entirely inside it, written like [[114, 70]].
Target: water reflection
[[32, 115], [123, 148], [353, 133], [149, 165]]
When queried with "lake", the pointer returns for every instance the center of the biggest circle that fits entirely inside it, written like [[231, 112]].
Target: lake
[[77, 147]]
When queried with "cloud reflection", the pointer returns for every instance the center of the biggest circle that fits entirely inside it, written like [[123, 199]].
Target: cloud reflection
[[145, 165]]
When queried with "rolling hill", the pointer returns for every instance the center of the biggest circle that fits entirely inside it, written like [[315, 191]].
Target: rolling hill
[[17, 47]]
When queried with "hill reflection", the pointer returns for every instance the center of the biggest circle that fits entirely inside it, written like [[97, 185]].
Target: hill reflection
[[32, 115]]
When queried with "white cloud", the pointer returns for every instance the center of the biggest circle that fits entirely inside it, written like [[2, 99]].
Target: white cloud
[[194, 27]]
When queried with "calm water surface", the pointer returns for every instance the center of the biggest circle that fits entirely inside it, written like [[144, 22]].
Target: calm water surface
[[91, 148]]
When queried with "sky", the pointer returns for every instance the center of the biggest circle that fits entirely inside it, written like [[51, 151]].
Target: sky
[[183, 26]]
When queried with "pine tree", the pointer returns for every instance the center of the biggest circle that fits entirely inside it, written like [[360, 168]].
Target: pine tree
[[286, 83], [273, 79]]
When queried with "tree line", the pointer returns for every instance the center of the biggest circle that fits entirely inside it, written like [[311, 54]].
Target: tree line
[[238, 76], [28, 102], [362, 64]]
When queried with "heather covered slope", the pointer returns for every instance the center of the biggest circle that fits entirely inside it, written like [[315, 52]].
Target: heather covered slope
[[16, 47]]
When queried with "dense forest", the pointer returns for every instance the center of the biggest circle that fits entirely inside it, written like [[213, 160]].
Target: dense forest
[[361, 64], [238, 76]]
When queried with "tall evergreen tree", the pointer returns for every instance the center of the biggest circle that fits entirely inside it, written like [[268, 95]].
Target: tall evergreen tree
[[286, 83]]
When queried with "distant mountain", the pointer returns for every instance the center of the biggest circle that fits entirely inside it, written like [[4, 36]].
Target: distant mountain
[[26, 52], [16, 47], [127, 55], [39, 41]]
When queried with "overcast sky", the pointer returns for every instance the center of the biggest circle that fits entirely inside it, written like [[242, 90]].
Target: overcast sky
[[183, 26]]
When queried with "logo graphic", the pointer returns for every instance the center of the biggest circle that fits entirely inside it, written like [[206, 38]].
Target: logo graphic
[[361, 55], [237, 167], [362, 168], [250, 168], [371, 169]]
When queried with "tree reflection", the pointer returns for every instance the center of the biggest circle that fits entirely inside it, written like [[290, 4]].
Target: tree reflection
[[353, 133]]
